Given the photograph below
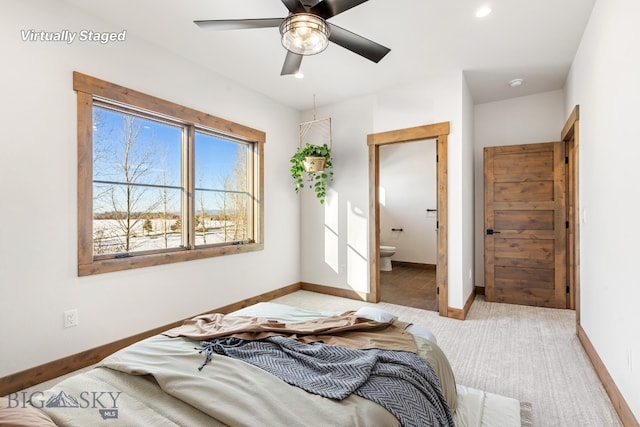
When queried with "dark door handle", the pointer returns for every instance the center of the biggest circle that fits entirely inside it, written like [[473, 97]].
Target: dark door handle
[[432, 210], [490, 231]]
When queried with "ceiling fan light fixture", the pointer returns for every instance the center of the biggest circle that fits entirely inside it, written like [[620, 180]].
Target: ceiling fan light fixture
[[304, 34]]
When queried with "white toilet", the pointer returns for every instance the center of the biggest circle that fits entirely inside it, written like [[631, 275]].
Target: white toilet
[[385, 257]]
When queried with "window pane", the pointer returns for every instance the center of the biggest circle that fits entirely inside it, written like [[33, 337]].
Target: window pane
[[153, 227], [137, 191], [221, 216], [223, 183]]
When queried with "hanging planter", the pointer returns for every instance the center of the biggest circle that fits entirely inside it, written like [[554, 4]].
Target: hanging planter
[[315, 161]]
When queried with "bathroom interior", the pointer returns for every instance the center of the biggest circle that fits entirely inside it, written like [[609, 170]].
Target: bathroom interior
[[408, 224]]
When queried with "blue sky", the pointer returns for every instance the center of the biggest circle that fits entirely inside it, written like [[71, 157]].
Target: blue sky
[[156, 155]]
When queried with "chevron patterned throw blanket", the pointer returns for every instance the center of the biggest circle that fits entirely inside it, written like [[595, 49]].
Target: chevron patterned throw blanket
[[402, 382]]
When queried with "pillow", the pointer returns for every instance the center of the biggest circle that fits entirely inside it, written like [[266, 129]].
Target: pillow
[[375, 314], [15, 414], [440, 364], [422, 332]]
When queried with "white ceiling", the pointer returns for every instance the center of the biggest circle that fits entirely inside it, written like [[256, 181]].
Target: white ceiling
[[533, 40]]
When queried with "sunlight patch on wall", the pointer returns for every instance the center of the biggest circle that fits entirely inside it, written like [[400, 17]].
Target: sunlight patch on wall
[[382, 195], [331, 257], [357, 230], [357, 249], [331, 241], [357, 271]]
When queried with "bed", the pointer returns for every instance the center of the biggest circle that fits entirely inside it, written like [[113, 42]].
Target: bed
[[199, 375]]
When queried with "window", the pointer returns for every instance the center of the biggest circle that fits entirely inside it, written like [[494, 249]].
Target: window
[[161, 183]]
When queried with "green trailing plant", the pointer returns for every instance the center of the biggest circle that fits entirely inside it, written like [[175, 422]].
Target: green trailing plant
[[316, 180]]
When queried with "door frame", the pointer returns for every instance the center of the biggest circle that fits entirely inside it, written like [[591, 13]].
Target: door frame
[[570, 135], [439, 132]]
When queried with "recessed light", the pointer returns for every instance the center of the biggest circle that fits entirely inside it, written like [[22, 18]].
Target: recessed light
[[298, 75], [516, 82], [483, 11]]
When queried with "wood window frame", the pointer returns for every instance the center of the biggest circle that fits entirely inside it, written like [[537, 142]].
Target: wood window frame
[[89, 88]]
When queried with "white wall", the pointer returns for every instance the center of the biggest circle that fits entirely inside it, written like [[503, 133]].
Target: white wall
[[334, 243], [38, 166], [522, 120], [407, 189], [468, 140], [604, 82], [341, 260]]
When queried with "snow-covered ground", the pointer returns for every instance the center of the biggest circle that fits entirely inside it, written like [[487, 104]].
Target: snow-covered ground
[[109, 237]]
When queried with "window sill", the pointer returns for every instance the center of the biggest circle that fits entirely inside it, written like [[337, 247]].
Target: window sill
[[140, 261]]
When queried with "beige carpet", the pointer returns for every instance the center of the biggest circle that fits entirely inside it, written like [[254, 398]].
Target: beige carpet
[[531, 354]]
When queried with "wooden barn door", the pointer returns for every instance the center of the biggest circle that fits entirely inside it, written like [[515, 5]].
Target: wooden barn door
[[525, 224]]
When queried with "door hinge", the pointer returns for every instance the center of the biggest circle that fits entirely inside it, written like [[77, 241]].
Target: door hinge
[[438, 290], [566, 160], [568, 289], [566, 224]]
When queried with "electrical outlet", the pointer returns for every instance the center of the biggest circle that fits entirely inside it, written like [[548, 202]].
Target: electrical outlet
[[71, 318]]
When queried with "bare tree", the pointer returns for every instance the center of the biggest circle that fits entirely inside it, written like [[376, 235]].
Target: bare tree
[[201, 218], [236, 195], [165, 200], [223, 216], [129, 161]]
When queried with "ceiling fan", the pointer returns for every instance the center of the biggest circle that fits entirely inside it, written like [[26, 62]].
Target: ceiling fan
[[305, 31]]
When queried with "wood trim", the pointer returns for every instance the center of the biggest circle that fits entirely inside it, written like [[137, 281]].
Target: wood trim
[[409, 134], [619, 403], [85, 178], [336, 292], [479, 290], [130, 97], [440, 132], [374, 222], [442, 269], [139, 261], [571, 137], [258, 203], [560, 231], [47, 371], [456, 313], [569, 126]]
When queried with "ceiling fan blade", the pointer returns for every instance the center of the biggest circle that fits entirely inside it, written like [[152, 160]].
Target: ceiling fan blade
[[329, 8], [294, 6], [357, 44], [291, 63], [238, 24]]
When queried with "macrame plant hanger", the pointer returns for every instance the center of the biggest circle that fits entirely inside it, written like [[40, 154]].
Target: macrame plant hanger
[[315, 132]]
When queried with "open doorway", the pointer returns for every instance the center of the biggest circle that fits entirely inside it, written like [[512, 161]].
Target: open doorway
[[408, 224], [439, 132]]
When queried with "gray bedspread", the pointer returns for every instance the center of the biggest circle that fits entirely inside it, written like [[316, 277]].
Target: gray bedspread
[[402, 382]]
